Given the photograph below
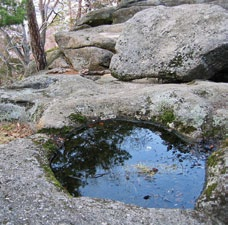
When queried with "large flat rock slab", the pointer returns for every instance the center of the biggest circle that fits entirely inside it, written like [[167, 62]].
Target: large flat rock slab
[[102, 37], [90, 48], [49, 100], [193, 105]]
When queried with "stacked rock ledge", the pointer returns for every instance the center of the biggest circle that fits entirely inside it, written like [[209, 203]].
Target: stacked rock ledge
[[174, 44]]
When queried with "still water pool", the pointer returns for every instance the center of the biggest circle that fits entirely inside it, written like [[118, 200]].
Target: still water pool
[[131, 162]]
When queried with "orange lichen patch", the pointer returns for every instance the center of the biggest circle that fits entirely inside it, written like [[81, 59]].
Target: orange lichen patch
[[13, 130], [72, 71], [62, 71]]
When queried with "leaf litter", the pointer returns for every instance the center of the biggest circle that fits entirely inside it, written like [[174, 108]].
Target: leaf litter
[[10, 131]]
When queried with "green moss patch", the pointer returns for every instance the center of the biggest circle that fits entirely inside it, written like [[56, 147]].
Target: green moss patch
[[50, 146], [209, 190], [52, 49], [57, 131], [78, 118], [177, 61], [214, 158], [167, 115], [187, 129], [168, 76], [184, 128], [51, 177], [225, 143]]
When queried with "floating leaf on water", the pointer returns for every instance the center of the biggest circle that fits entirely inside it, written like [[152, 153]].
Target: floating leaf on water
[[148, 171]]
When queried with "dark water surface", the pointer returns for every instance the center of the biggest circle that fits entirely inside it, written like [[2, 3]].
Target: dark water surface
[[131, 162]]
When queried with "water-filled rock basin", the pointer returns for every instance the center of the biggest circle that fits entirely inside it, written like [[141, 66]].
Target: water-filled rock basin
[[135, 163]]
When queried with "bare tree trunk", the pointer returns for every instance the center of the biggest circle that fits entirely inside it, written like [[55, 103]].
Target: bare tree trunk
[[48, 14], [9, 67], [70, 13], [25, 46], [79, 13], [88, 6], [36, 42], [12, 46], [43, 14]]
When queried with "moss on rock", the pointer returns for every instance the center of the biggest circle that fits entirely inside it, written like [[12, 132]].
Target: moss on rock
[[208, 191], [51, 177], [78, 118], [214, 158], [166, 115], [185, 129]]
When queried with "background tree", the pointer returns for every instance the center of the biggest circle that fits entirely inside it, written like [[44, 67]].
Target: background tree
[[14, 53], [79, 14], [15, 45], [48, 12], [11, 12], [14, 12], [35, 39], [28, 26]]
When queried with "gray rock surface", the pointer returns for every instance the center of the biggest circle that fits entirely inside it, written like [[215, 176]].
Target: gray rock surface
[[56, 59], [98, 17], [59, 62], [122, 14], [91, 58], [28, 196], [129, 3], [216, 189], [127, 8], [89, 48], [9, 111], [102, 37], [90, 31], [50, 99], [175, 44]]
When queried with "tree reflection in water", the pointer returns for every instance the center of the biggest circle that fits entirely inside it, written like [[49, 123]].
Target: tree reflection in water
[[136, 163], [84, 153]]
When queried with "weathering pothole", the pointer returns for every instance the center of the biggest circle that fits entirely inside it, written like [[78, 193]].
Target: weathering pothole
[[135, 163]]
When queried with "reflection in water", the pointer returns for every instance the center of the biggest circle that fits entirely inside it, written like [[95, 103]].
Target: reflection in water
[[131, 162]]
